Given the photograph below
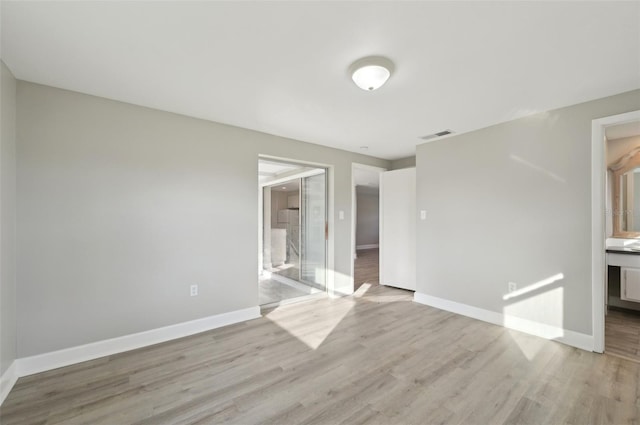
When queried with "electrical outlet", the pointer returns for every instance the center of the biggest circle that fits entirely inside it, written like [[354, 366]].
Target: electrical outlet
[[194, 290], [512, 286], [340, 215], [423, 215]]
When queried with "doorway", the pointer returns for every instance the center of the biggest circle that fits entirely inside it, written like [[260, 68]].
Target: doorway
[[601, 244], [366, 225], [622, 231], [293, 232]]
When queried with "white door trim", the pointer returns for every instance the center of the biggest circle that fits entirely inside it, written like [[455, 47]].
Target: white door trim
[[297, 176], [598, 248], [330, 171]]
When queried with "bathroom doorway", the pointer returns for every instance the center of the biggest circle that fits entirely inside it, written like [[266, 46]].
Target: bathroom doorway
[[622, 231], [293, 251]]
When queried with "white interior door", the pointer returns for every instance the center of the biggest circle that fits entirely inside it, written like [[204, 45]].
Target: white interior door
[[398, 228]]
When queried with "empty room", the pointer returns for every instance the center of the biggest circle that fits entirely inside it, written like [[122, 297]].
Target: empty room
[[319, 212]]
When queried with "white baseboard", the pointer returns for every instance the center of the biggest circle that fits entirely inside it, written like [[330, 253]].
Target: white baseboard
[[572, 338], [369, 246], [68, 356], [8, 380]]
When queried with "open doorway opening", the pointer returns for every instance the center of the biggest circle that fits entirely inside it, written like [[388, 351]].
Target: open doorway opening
[[622, 230], [293, 232], [366, 225]]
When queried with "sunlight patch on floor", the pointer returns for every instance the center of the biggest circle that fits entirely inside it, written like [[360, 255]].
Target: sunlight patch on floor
[[541, 314], [319, 331], [529, 345], [362, 290]]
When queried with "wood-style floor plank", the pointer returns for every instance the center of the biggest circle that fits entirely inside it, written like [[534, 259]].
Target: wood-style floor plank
[[366, 267], [622, 333], [373, 358]]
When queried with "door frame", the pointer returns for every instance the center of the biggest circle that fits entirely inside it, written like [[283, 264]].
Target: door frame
[[354, 220], [330, 247], [598, 242]]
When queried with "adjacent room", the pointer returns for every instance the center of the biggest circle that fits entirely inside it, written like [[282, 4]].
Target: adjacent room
[[622, 321], [294, 211], [312, 212], [366, 212]]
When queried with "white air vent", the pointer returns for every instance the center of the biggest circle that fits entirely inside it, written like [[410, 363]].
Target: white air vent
[[436, 135]]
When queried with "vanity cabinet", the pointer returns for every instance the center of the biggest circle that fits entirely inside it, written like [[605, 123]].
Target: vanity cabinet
[[630, 284]]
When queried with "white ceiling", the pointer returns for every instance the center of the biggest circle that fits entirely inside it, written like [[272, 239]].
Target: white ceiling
[[289, 186], [281, 67]]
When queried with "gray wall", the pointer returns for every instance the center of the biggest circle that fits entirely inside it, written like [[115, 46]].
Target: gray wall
[[121, 208], [511, 203], [367, 215], [408, 162], [7, 219], [278, 202]]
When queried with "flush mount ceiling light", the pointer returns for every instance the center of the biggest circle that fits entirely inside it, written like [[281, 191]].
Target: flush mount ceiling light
[[371, 73]]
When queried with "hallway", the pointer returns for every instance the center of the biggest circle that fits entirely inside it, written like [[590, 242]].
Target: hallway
[[366, 268]]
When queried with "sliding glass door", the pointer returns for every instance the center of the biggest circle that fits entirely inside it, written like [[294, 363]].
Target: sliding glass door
[[313, 243]]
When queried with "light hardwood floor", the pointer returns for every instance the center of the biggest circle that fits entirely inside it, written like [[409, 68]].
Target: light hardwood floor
[[366, 268], [622, 334], [375, 358]]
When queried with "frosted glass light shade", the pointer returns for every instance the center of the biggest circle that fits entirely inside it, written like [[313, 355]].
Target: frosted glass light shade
[[371, 77], [371, 73]]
